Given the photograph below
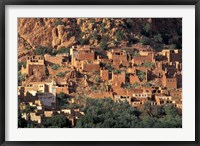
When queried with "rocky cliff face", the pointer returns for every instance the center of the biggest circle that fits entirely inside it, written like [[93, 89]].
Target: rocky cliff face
[[65, 32]]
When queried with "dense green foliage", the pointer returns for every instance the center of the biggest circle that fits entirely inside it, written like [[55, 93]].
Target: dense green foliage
[[134, 53], [61, 51], [119, 35], [60, 74], [141, 74], [21, 77], [108, 67], [57, 121], [20, 64], [62, 100], [94, 88], [117, 71], [105, 113], [41, 50], [104, 45], [148, 64], [82, 41], [97, 80], [135, 85], [55, 67], [147, 84], [129, 85], [94, 36], [145, 41], [28, 109], [161, 37], [21, 122], [100, 53], [58, 22]]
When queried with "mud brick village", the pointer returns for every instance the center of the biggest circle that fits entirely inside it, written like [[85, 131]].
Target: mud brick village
[[99, 73]]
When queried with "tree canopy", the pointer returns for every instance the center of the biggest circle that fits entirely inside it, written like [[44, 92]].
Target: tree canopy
[[105, 113], [41, 50], [58, 121]]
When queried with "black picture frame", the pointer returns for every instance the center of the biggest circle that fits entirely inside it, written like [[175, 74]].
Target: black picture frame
[[3, 4]]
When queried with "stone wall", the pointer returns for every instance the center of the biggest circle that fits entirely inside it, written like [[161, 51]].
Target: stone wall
[[169, 82], [104, 74], [134, 79], [91, 67]]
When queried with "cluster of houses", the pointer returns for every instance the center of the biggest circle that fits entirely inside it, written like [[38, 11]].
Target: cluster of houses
[[136, 74]]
